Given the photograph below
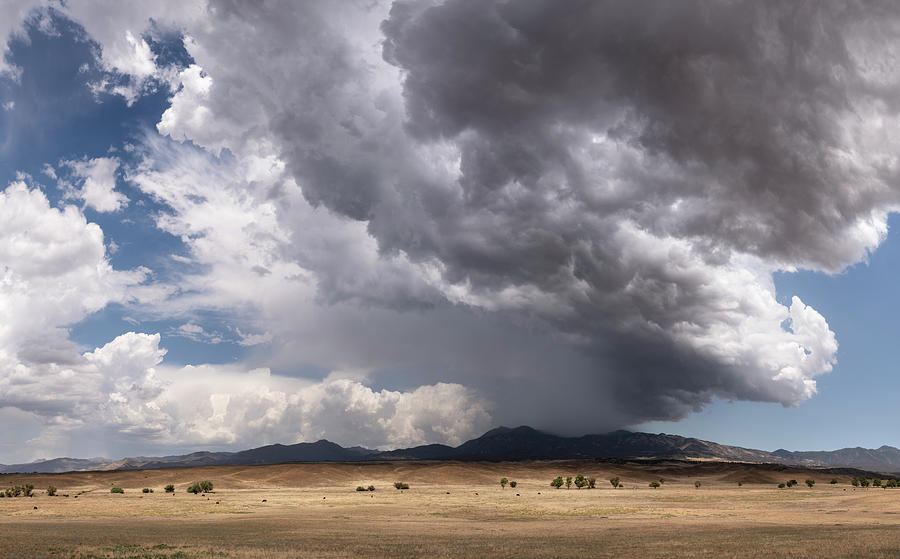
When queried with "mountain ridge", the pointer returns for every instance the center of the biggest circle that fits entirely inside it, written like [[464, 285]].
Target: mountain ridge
[[498, 444]]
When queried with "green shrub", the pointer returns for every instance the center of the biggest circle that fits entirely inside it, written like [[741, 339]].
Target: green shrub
[[740, 483], [200, 487], [568, 482], [810, 483], [557, 482], [400, 485], [146, 490], [51, 491], [513, 484], [592, 482], [781, 486], [654, 484], [361, 488], [614, 481], [876, 483], [117, 490], [833, 481], [370, 488], [170, 488], [854, 482], [503, 482], [28, 490], [697, 485], [580, 481]]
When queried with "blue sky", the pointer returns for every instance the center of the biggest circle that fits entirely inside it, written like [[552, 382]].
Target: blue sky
[[232, 227]]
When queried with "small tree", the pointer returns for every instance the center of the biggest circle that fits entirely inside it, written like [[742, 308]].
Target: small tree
[[513, 484], [568, 482], [503, 482], [740, 483], [654, 484], [360, 488], [170, 488], [206, 486], [614, 481], [580, 481], [855, 482], [51, 491], [696, 485], [876, 483], [592, 482], [371, 488], [557, 482], [792, 483], [194, 488], [400, 485], [28, 490], [810, 483], [117, 490], [833, 481], [780, 486], [146, 490], [864, 482]]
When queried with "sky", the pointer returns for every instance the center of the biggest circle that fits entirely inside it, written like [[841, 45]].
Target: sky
[[227, 224]]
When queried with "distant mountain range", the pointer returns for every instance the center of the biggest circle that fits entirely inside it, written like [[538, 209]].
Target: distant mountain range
[[501, 444]]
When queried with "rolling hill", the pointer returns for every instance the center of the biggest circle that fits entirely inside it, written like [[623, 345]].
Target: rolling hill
[[500, 444]]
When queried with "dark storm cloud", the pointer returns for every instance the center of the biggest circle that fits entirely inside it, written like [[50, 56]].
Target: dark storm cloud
[[625, 175]]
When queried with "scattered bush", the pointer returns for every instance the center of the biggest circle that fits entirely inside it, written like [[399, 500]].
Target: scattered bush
[[568, 482], [833, 481], [792, 483], [654, 484], [51, 491], [854, 482], [696, 485], [864, 482], [370, 488], [170, 488], [580, 481], [740, 483], [557, 482], [26, 490], [361, 488], [513, 484], [810, 483], [891, 483], [205, 486], [592, 482], [614, 481], [503, 482], [780, 486], [146, 490], [876, 483], [117, 490], [400, 485]]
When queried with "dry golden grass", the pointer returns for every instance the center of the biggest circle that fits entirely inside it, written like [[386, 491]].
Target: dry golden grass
[[452, 510]]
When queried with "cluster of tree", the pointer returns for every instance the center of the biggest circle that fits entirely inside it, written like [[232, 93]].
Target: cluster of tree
[[579, 481], [864, 482], [504, 481], [26, 490], [200, 487], [369, 488], [400, 485]]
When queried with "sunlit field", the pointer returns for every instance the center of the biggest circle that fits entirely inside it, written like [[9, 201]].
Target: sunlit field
[[451, 510]]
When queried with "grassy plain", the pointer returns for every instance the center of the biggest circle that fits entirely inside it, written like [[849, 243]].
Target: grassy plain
[[453, 510]]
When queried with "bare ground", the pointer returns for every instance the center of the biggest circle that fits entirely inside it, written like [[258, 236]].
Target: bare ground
[[452, 510]]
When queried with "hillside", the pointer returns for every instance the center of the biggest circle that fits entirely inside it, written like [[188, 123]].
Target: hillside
[[500, 444]]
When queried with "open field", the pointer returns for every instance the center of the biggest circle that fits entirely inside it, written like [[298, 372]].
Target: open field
[[452, 510]]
